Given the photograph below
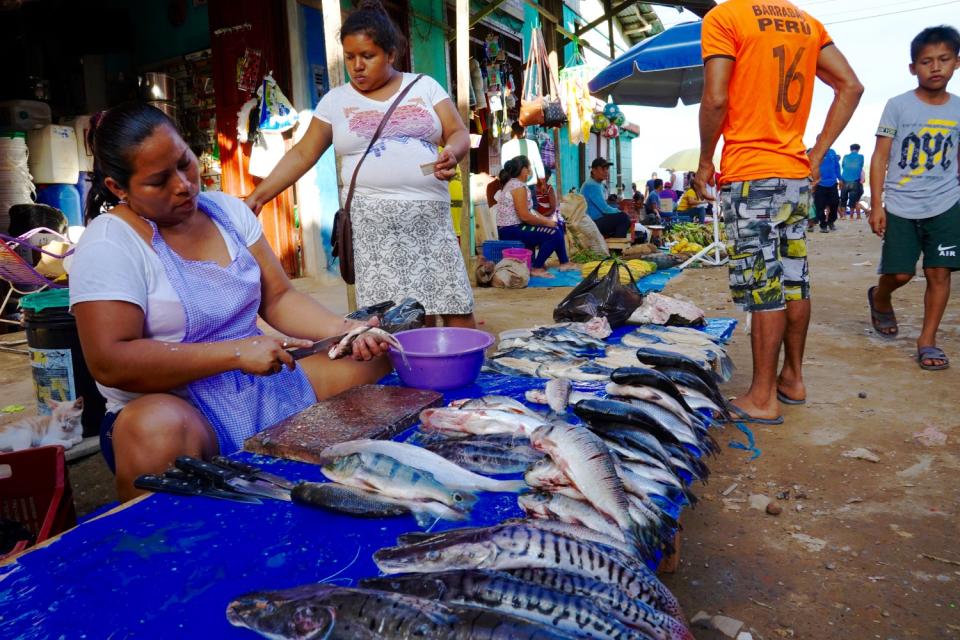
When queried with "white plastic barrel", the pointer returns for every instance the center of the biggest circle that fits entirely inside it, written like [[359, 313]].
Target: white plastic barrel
[[53, 155]]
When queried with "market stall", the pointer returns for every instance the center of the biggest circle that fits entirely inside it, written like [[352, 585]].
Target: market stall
[[167, 566]]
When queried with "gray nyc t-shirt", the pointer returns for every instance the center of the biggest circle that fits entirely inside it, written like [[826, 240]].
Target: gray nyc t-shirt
[[922, 179]]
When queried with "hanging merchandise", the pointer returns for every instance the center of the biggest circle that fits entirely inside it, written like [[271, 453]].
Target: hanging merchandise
[[276, 112], [611, 132], [244, 133], [540, 100], [267, 151], [476, 80], [576, 96], [611, 110], [248, 69], [599, 122], [548, 152], [619, 119], [492, 46]]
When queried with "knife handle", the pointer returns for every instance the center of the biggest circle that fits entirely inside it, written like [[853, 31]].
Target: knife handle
[[235, 465], [161, 484], [217, 475]]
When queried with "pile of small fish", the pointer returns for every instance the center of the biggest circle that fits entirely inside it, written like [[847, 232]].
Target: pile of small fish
[[605, 496], [568, 351]]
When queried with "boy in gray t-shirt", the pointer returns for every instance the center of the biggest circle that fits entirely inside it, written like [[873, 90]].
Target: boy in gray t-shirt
[[915, 190]]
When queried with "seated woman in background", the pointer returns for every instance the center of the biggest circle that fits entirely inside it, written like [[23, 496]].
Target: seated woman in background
[[690, 204], [518, 220], [167, 288]]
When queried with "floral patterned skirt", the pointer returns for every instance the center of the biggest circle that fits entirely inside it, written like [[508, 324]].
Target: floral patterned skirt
[[407, 248]]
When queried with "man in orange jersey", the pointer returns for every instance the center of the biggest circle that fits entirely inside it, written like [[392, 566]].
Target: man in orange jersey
[[760, 60]]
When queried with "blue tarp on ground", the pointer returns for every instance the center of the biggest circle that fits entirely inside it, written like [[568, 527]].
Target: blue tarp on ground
[[167, 566], [656, 281]]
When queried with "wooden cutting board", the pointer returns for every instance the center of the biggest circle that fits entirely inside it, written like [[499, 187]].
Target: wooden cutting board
[[366, 411]]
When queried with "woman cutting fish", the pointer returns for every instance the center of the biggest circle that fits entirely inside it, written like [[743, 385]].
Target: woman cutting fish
[[167, 288]]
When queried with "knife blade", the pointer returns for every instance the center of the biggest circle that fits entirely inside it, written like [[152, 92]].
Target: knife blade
[[230, 479], [183, 487], [317, 347], [252, 472]]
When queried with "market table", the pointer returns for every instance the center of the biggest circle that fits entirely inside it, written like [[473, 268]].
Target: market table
[[166, 566]]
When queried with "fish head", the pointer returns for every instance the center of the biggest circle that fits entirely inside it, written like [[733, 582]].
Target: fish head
[[275, 616], [534, 503], [343, 466], [456, 552], [545, 473]]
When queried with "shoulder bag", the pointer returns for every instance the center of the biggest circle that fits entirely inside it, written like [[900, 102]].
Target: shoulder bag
[[342, 240], [540, 99]]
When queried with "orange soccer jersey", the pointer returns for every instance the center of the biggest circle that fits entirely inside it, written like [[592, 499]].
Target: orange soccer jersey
[[775, 47]]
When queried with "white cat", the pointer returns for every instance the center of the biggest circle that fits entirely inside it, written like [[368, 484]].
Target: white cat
[[61, 427]]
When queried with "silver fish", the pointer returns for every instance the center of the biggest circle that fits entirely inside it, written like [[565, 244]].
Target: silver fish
[[585, 459], [560, 507], [635, 613], [515, 546], [650, 394], [478, 421], [570, 613], [328, 612], [539, 396], [558, 394], [345, 346], [369, 504], [496, 403], [483, 456], [446, 472], [390, 477]]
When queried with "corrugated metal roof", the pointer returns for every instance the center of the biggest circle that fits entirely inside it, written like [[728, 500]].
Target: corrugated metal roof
[[640, 20]]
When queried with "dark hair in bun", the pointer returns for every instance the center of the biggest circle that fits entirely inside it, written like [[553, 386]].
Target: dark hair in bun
[[372, 20]]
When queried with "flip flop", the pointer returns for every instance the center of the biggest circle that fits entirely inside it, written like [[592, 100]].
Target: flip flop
[[882, 319], [742, 416], [785, 399], [932, 353]]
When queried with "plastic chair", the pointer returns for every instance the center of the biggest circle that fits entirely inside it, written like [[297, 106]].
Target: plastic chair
[[18, 273]]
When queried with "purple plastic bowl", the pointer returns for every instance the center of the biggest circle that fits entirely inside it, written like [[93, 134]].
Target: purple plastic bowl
[[440, 358]]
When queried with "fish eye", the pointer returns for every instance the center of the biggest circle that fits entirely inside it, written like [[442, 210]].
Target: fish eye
[[433, 555]]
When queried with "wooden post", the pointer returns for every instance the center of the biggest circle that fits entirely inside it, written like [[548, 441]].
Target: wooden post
[[607, 10], [336, 76], [463, 106]]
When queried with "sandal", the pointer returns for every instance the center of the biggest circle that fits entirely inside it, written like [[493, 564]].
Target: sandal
[[739, 415], [932, 353], [882, 319]]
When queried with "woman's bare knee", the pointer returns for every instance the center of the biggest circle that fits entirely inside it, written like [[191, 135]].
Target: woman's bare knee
[[151, 432]]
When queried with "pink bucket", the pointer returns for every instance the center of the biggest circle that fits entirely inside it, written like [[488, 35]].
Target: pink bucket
[[520, 255]]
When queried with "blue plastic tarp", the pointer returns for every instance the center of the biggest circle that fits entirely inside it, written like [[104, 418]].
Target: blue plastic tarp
[[167, 566]]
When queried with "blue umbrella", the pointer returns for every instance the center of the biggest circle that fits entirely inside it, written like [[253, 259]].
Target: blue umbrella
[[656, 72]]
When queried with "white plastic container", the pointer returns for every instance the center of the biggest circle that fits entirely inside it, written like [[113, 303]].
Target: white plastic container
[[24, 115], [81, 127], [53, 155]]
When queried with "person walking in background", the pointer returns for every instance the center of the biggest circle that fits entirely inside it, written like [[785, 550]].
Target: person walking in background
[[403, 237], [826, 198], [851, 174], [611, 222], [760, 65], [648, 187], [915, 191]]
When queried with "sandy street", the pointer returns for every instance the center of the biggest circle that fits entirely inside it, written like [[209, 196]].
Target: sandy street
[[861, 549]]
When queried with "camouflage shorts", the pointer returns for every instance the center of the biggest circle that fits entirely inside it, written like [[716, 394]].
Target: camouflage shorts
[[766, 224]]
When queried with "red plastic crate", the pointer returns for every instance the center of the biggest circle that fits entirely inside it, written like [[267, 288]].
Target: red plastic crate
[[35, 492]]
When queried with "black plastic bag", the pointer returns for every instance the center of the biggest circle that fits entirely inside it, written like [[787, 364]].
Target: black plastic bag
[[409, 314], [601, 297], [373, 310]]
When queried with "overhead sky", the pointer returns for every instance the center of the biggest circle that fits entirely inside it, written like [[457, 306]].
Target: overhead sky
[[875, 37]]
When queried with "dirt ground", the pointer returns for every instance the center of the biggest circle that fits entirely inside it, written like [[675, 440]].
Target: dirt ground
[[861, 549]]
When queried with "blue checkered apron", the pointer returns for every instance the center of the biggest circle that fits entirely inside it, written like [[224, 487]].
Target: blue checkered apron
[[221, 303]]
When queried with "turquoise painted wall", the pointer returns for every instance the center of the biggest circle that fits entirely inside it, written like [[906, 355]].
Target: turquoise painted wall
[[569, 153], [158, 40], [428, 43]]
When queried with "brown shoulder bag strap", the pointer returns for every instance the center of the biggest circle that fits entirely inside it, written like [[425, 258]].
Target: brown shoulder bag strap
[[376, 135]]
